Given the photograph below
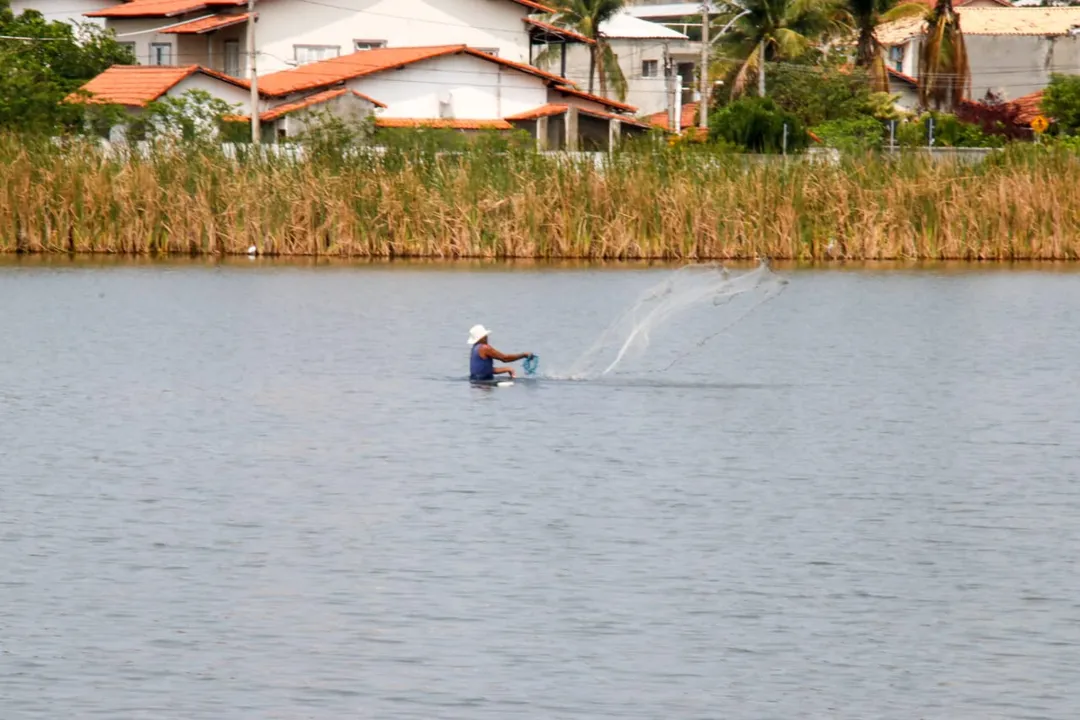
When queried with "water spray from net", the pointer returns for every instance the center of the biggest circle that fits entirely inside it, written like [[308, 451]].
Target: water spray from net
[[689, 288]]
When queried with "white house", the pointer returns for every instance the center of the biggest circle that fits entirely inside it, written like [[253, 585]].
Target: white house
[[1012, 51], [641, 46], [455, 86], [290, 33], [134, 87]]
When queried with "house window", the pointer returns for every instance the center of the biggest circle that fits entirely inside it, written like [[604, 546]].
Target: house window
[[160, 54], [305, 54], [232, 58], [650, 68], [896, 57], [359, 45], [494, 52]]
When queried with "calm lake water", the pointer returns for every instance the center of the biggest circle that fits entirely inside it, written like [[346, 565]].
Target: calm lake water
[[264, 491]]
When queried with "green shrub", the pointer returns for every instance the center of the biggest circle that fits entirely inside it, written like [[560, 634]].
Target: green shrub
[[857, 135], [1061, 101], [757, 125]]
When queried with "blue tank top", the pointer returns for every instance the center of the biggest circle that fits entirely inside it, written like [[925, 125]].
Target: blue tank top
[[480, 368]]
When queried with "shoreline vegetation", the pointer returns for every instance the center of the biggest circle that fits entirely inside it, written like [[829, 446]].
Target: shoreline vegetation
[[645, 203]]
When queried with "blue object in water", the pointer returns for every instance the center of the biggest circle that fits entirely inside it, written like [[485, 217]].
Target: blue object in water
[[531, 364]]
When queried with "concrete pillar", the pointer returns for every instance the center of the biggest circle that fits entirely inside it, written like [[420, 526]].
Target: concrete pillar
[[542, 134], [614, 134], [572, 129]]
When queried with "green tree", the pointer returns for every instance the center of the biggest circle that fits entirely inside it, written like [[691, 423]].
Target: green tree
[[194, 117], [773, 30], [819, 94], [866, 15], [757, 124], [944, 73], [53, 60], [1061, 101], [586, 17]]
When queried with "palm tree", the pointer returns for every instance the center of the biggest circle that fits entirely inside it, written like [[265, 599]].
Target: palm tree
[[586, 17], [866, 15], [774, 29], [944, 73]]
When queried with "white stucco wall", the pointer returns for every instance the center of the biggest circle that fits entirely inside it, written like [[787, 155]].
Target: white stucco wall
[[64, 10], [483, 24], [1015, 65], [1009, 65], [474, 88], [237, 96], [644, 93]]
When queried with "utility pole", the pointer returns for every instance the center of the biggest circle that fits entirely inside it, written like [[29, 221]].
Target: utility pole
[[703, 71], [669, 91], [252, 53]]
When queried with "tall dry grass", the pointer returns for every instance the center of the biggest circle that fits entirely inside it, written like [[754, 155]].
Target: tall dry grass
[[660, 204]]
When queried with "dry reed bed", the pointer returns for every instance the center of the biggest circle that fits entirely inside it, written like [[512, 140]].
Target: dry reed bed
[[669, 205]]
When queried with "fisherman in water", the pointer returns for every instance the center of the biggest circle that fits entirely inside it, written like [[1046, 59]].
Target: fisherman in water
[[483, 356]]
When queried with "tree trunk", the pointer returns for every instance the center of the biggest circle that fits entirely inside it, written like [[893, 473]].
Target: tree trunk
[[761, 70], [592, 67], [601, 74]]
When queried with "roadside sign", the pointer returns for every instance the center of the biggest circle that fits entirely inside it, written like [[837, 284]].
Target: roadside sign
[[1039, 124]]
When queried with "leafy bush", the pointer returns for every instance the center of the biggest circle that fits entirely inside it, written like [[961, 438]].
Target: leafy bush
[[948, 132], [857, 135], [38, 75], [757, 124], [819, 94], [1061, 101]]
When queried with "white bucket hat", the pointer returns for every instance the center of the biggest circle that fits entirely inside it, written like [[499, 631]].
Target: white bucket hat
[[478, 333]]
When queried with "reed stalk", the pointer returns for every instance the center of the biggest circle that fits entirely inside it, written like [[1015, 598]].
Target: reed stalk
[[659, 204]]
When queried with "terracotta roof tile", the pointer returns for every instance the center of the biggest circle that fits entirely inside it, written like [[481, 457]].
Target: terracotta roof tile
[[1029, 106], [559, 31], [169, 8], [538, 7], [539, 112], [312, 100], [208, 24], [1039, 21], [369, 62], [688, 117], [443, 123], [162, 8], [625, 120], [902, 77], [573, 92], [137, 85]]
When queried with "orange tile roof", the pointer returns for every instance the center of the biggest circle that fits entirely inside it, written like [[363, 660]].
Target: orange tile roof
[[539, 112], [901, 76], [161, 8], [611, 116], [573, 92], [137, 85], [317, 98], [688, 117], [443, 123], [532, 5], [558, 109], [1029, 106], [369, 62], [962, 3], [558, 31], [169, 8], [1032, 21], [207, 24]]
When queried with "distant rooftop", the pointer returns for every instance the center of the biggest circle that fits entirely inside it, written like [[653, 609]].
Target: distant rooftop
[[624, 25]]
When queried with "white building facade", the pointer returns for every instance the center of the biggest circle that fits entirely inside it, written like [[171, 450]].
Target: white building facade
[[290, 33]]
